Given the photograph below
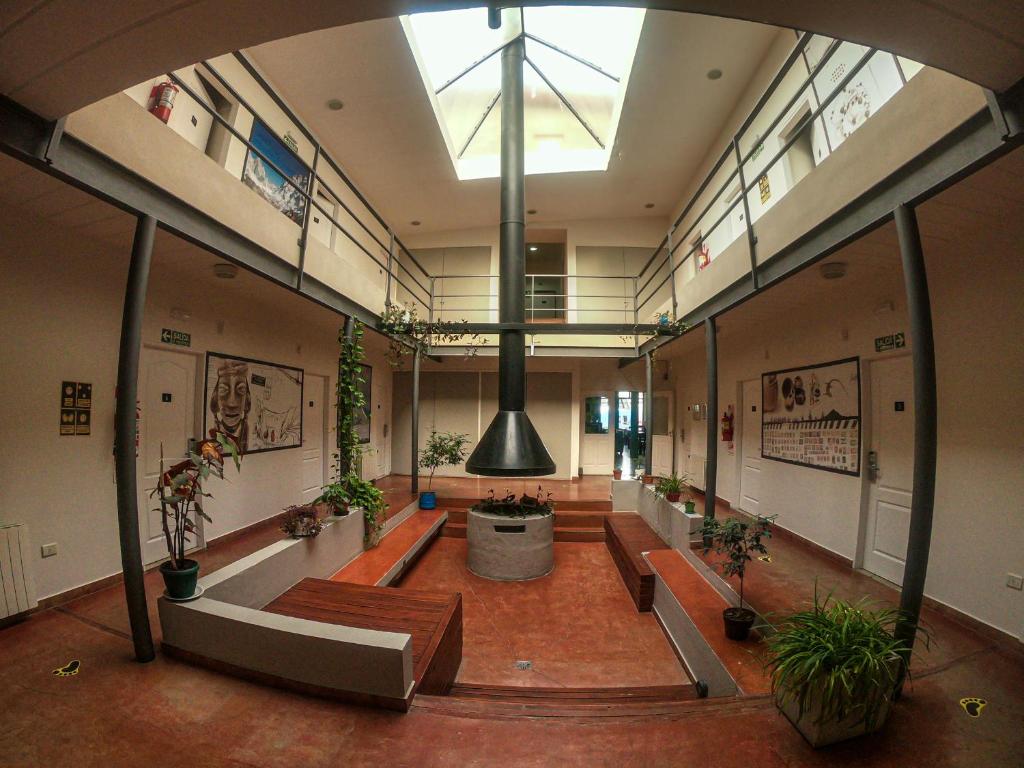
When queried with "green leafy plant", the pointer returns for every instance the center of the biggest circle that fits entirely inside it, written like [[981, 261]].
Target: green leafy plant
[[672, 484], [335, 495], [369, 498], [350, 398], [408, 333], [510, 506], [443, 449], [844, 655], [181, 489], [736, 539], [302, 520]]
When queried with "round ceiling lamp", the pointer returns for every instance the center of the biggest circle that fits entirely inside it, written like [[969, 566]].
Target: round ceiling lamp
[[335, 104], [833, 270], [225, 271], [714, 74]]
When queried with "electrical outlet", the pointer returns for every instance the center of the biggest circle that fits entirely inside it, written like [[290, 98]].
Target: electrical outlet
[[49, 550], [1014, 581]]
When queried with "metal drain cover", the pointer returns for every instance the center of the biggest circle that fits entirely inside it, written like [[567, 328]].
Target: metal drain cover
[[524, 665]]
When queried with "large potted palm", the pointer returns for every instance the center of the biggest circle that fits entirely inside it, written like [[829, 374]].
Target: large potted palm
[[835, 667], [443, 449], [180, 493], [736, 539]]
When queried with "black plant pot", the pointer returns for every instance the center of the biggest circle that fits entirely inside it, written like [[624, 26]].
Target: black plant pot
[[738, 622], [180, 583]]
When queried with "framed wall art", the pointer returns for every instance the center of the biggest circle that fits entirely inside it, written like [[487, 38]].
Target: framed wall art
[[810, 416], [256, 402]]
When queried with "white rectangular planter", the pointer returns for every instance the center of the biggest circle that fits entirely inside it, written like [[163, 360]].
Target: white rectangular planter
[[820, 734]]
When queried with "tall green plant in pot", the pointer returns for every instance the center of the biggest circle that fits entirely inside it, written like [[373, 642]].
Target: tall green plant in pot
[[736, 539], [835, 667], [443, 449], [180, 493]]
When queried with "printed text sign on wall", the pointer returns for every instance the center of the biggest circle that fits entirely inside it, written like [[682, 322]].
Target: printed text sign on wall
[[178, 338], [75, 408], [892, 341]]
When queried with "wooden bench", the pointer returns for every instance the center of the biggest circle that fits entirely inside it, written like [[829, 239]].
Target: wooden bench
[[434, 621], [628, 536]]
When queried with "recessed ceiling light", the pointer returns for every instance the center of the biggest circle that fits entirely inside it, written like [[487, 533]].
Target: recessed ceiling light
[[714, 74], [335, 104], [533, 247], [648, 205], [833, 270], [225, 271], [415, 222], [532, 211]]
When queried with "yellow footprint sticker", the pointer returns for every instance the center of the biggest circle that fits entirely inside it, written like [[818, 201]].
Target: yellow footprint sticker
[[765, 558], [69, 669], [973, 705]]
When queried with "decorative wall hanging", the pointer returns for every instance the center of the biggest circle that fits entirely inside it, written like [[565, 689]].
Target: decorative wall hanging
[[810, 416], [257, 403], [260, 177]]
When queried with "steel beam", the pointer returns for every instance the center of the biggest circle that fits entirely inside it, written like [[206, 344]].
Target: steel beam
[[125, 427], [925, 426], [711, 418]]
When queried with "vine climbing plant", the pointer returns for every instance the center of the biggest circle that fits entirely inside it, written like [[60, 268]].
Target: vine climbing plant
[[407, 332]]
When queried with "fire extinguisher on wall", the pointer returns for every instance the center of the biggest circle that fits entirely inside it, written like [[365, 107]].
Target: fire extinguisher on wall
[[727, 421], [162, 98]]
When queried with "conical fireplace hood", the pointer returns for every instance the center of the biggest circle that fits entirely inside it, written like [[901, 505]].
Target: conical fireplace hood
[[511, 446]]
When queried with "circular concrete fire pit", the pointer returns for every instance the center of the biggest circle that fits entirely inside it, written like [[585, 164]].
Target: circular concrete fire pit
[[510, 548]]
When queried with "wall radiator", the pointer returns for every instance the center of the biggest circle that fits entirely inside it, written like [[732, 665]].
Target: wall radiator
[[17, 589]]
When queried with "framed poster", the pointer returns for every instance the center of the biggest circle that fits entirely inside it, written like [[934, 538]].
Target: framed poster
[[362, 418], [810, 416], [260, 177], [257, 403]]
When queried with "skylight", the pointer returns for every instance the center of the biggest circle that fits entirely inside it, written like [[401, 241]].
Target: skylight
[[575, 78]]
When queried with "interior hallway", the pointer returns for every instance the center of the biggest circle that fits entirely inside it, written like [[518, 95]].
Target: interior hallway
[[115, 712]]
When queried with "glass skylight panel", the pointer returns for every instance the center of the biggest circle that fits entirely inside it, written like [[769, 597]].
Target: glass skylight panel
[[575, 78]]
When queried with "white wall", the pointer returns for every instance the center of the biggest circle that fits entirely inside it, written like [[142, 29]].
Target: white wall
[[61, 301]]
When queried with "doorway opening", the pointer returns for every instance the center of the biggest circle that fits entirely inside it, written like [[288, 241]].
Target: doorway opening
[[545, 275], [630, 432]]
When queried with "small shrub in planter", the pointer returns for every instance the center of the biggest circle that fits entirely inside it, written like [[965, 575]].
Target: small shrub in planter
[[736, 539], [617, 474], [670, 487], [335, 497], [510, 506], [835, 667], [443, 449], [301, 521]]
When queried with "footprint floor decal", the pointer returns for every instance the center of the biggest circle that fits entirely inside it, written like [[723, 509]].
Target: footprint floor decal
[[69, 669], [973, 705]]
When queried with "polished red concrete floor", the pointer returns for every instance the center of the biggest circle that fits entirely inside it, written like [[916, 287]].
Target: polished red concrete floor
[[116, 712], [588, 488], [578, 625]]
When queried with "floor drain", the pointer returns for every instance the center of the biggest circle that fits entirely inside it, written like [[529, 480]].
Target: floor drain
[[524, 665]]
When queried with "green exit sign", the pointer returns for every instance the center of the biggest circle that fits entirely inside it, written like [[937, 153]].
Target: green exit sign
[[892, 341], [177, 338]]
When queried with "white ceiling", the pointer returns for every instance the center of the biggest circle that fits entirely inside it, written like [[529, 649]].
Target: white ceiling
[[387, 138]]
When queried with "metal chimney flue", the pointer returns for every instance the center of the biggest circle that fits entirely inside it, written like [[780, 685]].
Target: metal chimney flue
[[511, 446]]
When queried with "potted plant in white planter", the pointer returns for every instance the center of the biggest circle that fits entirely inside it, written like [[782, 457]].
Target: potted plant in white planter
[[736, 539], [302, 521], [444, 449], [835, 667], [670, 487], [180, 493]]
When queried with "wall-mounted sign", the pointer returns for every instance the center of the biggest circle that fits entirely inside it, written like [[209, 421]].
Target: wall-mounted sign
[[75, 408], [810, 416], [765, 188], [177, 338], [892, 341]]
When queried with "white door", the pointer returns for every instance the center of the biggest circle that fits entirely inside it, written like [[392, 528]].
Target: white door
[[380, 413], [167, 391], [750, 448], [313, 454], [891, 484], [661, 432], [597, 443]]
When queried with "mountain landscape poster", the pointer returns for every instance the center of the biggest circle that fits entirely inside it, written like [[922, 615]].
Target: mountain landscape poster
[[811, 416], [260, 177]]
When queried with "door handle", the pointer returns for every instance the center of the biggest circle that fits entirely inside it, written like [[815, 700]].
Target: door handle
[[873, 471]]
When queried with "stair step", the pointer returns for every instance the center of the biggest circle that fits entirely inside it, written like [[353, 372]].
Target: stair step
[[573, 697]]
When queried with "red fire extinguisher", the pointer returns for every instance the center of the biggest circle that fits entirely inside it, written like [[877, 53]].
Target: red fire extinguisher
[[727, 417], [162, 97]]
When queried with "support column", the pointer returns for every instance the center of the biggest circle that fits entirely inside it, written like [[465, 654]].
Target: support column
[[925, 424], [648, 415], [711, 418], [124, 438], [415, 431]]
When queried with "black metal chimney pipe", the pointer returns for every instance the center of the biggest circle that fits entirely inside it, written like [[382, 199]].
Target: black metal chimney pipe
[[511, 446]]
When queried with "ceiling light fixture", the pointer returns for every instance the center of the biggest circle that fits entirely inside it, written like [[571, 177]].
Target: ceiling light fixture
[[833, 270], [225, 271], [714, 74], [533, 248], [532, 211], [648, 205], [335, 104], [415, 222]]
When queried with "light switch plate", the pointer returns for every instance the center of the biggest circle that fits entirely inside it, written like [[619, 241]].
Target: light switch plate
[[1014, 581], [49, 550]]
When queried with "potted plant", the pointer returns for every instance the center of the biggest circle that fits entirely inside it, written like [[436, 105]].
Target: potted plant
[[367, 497], [444, 449], [648, 479], [334, 496], [180, 492], [302, 521], [617, 474], [736, 539], [509, 506], [835, 667], [670, 487]]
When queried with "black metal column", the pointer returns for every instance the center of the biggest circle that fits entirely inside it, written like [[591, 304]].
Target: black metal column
[[711, 418], [512, 235], [648, 415], [925, 424], [124, 438], [415, 428]]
